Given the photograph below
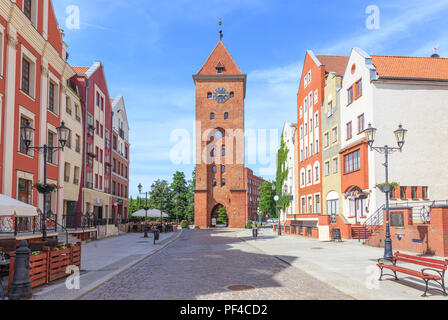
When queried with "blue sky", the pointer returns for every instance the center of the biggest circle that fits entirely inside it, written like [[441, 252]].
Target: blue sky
[[151, 49]]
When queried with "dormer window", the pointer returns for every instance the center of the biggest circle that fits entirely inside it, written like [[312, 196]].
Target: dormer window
[[219, 68]]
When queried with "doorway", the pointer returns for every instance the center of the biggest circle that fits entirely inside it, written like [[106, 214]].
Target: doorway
[[220, 218]]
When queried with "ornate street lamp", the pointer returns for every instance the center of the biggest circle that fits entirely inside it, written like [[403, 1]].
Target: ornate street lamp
[[146, 208], [400, 135], [27, 134]]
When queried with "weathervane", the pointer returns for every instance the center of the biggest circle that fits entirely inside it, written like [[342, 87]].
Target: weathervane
[[220, 31]]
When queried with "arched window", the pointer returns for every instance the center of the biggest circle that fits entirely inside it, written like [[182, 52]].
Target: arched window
[[223, 169], [223, 151], [223, 182], [212, 116], [226, 115], [231, 95], [213, 153], [214, 169], [209, 95], [214, 182]]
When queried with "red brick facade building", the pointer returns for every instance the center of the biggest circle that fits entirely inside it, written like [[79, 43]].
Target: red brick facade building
[[253, 194], [220, 93]]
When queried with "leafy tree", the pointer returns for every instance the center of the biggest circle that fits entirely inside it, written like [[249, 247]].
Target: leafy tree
[[160, 197], [267, 203], [189, 215], [282, 175], [222, 216], [179, 193]]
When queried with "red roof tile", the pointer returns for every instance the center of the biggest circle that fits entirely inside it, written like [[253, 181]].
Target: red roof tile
[[411, 67], [336, 64], [81, 70]]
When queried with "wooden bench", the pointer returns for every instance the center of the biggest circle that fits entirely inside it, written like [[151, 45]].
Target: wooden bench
[[434, 271]]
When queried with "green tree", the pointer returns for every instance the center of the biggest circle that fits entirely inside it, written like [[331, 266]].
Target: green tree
[[160, 197], [189, 216], [222, 216], [282, 175], [267, 203], [179, 193]]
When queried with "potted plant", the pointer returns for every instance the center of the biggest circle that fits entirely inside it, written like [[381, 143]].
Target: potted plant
[[387, 187], [46, 188]]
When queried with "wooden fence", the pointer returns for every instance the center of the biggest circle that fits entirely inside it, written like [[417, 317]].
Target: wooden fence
[[50, 264]]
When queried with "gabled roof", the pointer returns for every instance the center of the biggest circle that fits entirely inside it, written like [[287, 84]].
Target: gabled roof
[[81, 70], [222, 58], [336, 64], [87, 71], [398, 67]]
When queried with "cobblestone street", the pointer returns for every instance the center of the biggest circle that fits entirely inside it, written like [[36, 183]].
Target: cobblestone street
[[213, 264]]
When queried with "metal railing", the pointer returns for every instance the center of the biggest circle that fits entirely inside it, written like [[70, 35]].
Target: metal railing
[[373, 223]]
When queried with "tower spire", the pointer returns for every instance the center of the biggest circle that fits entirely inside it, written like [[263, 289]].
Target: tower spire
[[220, 31]]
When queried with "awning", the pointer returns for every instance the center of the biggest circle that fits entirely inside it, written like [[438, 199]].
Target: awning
[[153, 213], [10, 207]]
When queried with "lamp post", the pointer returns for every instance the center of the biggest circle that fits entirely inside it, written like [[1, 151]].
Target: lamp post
[[276, 199], [140, 188], [400, 135], [27, 133]]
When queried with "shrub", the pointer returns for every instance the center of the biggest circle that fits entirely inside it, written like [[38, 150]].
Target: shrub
[[184, 224]]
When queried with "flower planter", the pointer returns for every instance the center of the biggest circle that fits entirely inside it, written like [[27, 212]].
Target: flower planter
[[386, 188]]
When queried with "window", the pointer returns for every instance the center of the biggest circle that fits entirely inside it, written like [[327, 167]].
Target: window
[[212, 116], [214, 182], [223, 151], [26, 75], [303, 205], [402, 192], [317, 146], [335, 134], [327, 168], [301, 154], [51, 158], [69, 139], [361, 123], [77, 115], [27, 9], [310, 100], [316, 96], [316, 173], [209, 95], [311, 149], [335, 165], [306, 129], [333, 207], [353, 161], [96, 181], [327, 139], [317, 203], [223, 169], [101, 155], [311, 125], [102, 103], [303, 178], [330, 109], [232, 95], [316, 120], [306, 152], [52, 97], [358, 89], [213, 153], [76, 176], [301, 132], [214, 169], [414, 192], [68, 106], [309, 176], [25, 189], [67, 172], [301, 112], [349, 130], [310, 204], [425, 195], [101, 130], [350, 95], [78, 144], [223, 182], [226, 115]]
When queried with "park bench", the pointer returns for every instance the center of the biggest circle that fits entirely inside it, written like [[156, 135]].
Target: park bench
[[434, 271]]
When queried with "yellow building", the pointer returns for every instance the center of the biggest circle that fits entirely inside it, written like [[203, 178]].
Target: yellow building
[[72, 115], [331, 144]]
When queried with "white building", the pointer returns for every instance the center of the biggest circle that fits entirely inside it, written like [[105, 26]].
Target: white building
[[387, 91], [289, 135]]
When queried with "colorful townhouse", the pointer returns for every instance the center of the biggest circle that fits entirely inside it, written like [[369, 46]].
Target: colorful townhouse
[[91, 86], [387, 91], [120, 160], [309, 102], [33, 89]]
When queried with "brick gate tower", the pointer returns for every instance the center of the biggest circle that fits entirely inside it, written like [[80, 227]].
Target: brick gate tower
[[220, 92]]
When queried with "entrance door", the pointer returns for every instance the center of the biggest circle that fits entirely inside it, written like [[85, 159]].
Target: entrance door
[[219, 213]]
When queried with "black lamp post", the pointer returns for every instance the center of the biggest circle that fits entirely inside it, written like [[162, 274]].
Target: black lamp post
[[27, 133], [400, 135], [140, 187]]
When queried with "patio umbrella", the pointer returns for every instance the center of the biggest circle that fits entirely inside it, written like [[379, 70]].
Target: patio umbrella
[[153, 213], [11, 207]]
